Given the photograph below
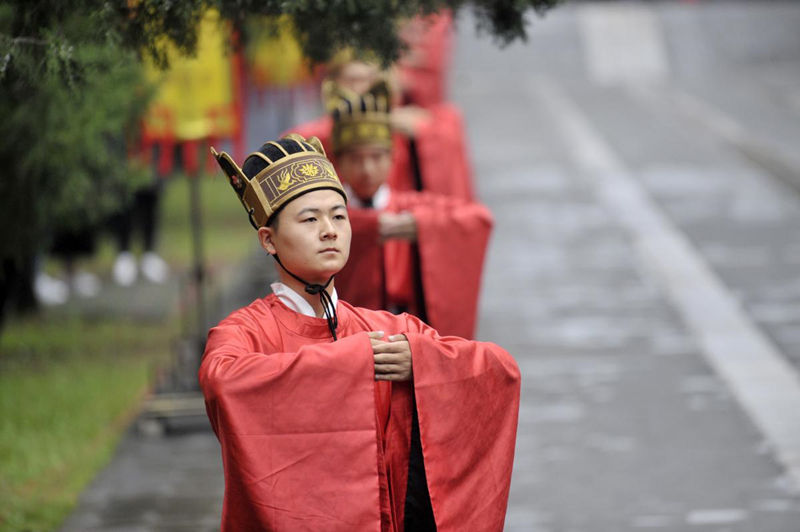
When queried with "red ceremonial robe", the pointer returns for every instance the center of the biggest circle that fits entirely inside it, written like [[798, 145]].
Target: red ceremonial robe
[[441, 152], [452, 236], [322, 128], [423, 67], [310, 441]]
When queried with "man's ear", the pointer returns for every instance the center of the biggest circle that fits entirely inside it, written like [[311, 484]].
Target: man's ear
[[265, 235]]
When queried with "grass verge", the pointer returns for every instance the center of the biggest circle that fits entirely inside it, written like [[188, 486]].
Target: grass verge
[[68, 388]]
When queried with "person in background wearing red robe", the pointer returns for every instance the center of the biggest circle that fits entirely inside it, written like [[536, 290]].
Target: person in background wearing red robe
[[335, 418], [348, 73], [418, 251], [422, 113], [429, 142], [423, 67]]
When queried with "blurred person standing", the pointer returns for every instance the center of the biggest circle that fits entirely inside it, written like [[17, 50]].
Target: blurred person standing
[[348, 73], [422, 69], [431, 124], [68, 246], [419, 252], [140, 217], [430, 149]]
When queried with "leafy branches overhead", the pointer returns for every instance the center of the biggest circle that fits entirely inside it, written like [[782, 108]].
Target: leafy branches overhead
[[148, 26], [48, 31], [322, 27], [505, 19]]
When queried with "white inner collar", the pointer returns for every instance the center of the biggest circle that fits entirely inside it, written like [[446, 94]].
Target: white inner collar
[[295, 301]]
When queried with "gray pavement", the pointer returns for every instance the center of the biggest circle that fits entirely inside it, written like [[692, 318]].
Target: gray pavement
[[156, 485], [625, 424], [630, 417]]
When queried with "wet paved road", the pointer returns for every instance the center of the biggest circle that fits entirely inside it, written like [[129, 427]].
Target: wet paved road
[[624, 424], [627, 423]]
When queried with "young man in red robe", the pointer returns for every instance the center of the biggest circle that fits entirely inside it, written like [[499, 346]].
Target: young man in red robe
[[429, 144], [337, 418], [418, 251]]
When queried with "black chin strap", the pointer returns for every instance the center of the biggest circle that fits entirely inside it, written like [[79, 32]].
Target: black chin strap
[[324, 297]]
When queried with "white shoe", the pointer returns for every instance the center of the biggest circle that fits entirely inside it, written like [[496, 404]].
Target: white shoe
[[85, 284], [49, 290], [154, 268], [124, 271]]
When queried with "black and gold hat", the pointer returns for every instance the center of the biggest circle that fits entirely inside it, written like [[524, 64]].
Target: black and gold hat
[[364, 119], [277, 173]]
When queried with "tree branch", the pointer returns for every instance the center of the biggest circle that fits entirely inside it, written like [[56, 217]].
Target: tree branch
[[25, 40]]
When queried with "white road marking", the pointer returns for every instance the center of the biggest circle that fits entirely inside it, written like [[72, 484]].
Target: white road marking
[[623, 43], [722, 516], [763, 381]]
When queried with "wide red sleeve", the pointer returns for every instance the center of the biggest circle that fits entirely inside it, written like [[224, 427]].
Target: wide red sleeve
[[467, 397], [452, 236], [401, 177], [297, 430], [443, 155], [361, 282]]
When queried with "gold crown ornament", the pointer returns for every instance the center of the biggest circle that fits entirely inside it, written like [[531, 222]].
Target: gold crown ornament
[[364, 119], [294, 166], [333, 93]]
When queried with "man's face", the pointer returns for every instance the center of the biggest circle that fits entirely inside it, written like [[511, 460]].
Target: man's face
[[312, 237], [357, 76], [364, 168]]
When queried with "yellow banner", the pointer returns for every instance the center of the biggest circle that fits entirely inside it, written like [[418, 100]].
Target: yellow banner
[[274, 57], [195, 97]]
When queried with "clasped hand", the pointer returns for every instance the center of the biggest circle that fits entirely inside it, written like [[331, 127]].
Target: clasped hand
[[392, 358], [401, 226]]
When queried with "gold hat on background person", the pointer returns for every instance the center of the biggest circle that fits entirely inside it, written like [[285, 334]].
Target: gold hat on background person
[[333, 93], [277, 173], [364, 119]]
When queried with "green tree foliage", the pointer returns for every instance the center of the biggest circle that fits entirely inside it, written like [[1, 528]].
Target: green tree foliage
[[68, 95], [324, 26]]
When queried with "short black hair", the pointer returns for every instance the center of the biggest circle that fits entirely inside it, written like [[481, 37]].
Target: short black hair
[[272, 223]]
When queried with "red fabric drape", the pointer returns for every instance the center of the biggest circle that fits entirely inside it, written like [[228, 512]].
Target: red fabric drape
[[297, 419], [452, 239]]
